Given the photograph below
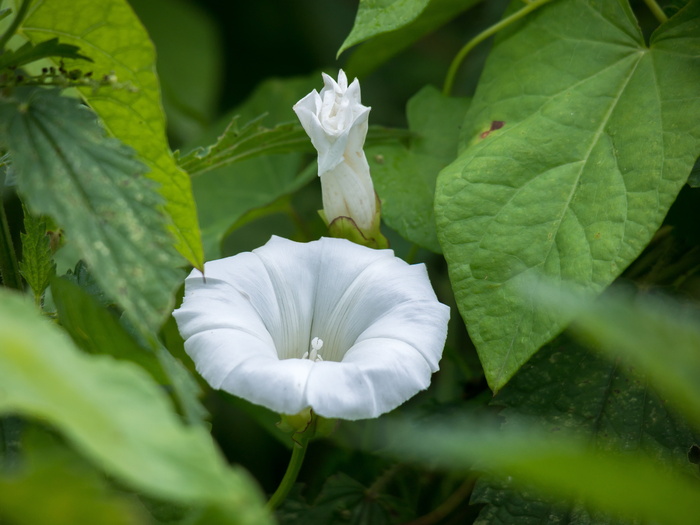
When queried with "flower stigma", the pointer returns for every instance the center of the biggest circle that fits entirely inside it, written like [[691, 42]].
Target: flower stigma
[[313, 355]]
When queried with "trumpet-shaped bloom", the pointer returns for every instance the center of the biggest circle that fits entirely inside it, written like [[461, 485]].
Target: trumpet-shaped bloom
[[336, 122], [346, 330]]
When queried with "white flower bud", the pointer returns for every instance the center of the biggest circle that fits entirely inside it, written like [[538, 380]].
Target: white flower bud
[[336, 122]]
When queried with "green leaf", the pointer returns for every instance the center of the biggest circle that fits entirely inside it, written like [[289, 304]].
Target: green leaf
[[557, 466], [404, 177], [97, 331], [118, 44], [375, 17], [655, 334], [370, 55], [37, 265], [343, 500], [600, 133], [565, 388], [185, 389], [93, 187], [237, 144], [29, 53], [694, 177], [71, 492], [115, 415]]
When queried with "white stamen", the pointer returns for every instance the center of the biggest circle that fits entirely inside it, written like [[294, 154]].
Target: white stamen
[[313, 355]]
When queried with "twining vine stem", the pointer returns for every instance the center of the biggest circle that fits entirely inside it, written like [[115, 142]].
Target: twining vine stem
[[530, 6], [19, 18], [656, 10]]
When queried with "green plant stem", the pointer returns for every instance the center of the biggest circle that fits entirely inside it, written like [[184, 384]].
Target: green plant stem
[[9, 268], [449, 505], [656, 10], [301, 443], [21, 14], [457, 61]]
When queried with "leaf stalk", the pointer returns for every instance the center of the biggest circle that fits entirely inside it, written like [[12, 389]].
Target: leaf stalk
[[656, 10], [459, 58]]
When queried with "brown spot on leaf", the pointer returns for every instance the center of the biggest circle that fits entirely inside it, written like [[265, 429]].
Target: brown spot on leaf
[[496, 124]]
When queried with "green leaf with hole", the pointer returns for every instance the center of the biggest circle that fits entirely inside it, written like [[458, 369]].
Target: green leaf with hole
[[112, 36], [114, 414], [404, 176], [93, 187], [577, 141], [375, 17]]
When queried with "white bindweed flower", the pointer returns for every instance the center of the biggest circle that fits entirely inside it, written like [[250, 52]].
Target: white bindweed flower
[[346, 330], [336, 122]]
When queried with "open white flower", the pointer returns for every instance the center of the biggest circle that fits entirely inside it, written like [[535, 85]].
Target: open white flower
[[346, 330], [336, 122]]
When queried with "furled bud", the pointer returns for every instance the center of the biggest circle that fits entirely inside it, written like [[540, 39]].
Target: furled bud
[[336, 122]]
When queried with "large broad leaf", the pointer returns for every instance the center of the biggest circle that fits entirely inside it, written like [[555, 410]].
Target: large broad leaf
[[375, 17], [94, 188], [71, 491], [117, 416], [599, 133], [566, 388], [557, 467], [382, 47], [112, 36], [96, 330], [404, 177]]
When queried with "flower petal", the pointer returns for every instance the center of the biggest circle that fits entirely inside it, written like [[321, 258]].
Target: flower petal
[[277, 385], [375, 377], [292, 268]]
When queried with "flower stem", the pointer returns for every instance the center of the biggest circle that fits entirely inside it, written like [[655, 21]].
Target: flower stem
[[449, 505], [301, 443], [656, 10], [457, 61]]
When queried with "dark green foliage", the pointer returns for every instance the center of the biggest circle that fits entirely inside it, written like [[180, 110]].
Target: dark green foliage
[[37, 265]]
